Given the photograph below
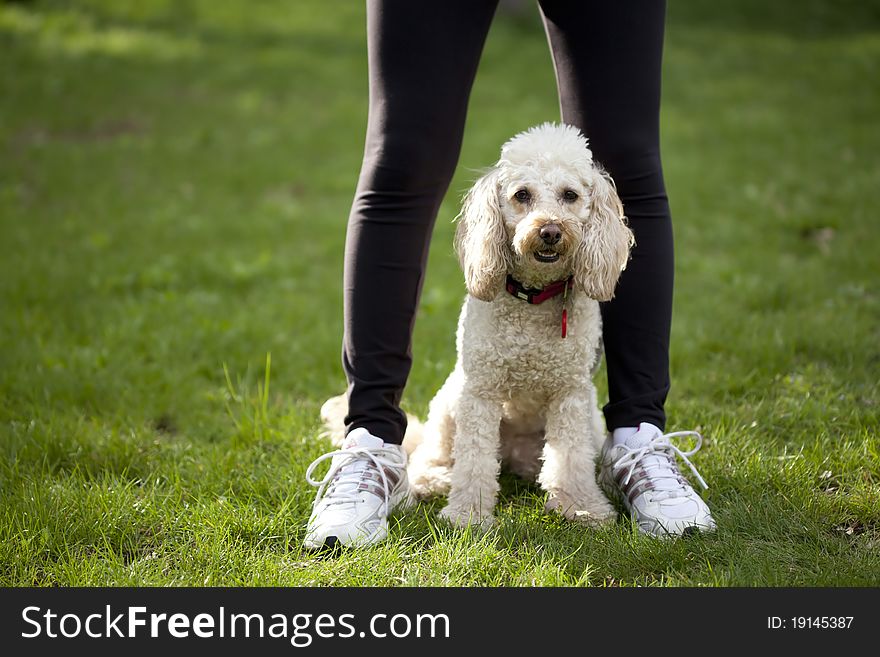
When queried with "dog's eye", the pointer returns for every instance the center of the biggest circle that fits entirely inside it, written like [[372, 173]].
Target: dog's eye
[[523, 196], [569, 196]]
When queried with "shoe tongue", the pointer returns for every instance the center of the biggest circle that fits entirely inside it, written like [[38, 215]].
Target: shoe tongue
[[353, 468], [643, 436], [653, 465], [362, 438]]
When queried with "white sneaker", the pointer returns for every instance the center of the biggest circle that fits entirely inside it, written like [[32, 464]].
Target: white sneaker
[[644, 475], [365, 482]]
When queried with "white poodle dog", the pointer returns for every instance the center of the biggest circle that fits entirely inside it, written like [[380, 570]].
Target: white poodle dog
[[541, 239]]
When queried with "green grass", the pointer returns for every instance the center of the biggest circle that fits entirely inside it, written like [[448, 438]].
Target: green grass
[[175, 179]]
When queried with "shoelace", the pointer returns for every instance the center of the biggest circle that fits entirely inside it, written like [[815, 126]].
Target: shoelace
[[657, 446], [337, 478]]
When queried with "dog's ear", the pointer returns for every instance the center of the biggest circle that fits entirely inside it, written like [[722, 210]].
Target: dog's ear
[[604, 251], [481, 239]]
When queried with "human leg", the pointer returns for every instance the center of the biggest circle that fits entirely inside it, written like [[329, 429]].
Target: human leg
[[607, 57], [422, 61]]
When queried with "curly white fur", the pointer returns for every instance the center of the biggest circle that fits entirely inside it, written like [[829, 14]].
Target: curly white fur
[[520, 393]]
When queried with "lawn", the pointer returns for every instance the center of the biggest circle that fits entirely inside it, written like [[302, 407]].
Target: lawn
[[175, 179]]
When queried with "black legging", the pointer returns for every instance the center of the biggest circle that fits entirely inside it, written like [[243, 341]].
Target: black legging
[[423, 57]]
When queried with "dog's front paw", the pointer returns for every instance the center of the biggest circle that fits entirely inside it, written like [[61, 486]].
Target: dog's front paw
[[467, 516], [427, 481], [594, 513]]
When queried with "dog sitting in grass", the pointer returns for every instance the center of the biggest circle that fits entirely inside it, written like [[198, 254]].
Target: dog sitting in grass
[[541, 240]]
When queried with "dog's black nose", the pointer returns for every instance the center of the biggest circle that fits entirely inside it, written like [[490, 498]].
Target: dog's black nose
[[550, 233]]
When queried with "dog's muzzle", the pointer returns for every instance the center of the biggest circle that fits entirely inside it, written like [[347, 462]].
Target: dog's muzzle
[[551, 235]]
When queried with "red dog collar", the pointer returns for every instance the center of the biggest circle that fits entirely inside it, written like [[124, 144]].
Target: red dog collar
[[536, 296]]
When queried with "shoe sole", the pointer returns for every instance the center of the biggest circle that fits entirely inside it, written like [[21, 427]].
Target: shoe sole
[[360, 541]]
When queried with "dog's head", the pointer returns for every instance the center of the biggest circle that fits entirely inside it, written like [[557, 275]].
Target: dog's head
[[543, 213]]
